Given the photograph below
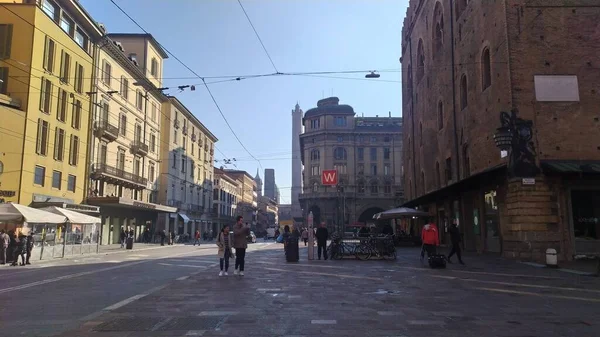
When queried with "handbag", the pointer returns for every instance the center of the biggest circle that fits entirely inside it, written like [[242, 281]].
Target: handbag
[[280, 238]]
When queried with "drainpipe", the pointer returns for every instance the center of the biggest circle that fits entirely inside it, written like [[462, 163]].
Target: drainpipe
[[412, 120], [91, 120], [456, 160]]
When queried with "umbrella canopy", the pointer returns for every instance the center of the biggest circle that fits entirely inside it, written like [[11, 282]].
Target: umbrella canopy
[[72, 216], [399, 212], [17, 212]]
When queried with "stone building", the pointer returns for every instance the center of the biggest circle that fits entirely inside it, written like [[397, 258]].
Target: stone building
[[365, 151], [247, 205], [227, 191], [464, 63]]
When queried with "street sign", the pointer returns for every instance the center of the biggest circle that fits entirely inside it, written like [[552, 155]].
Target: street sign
[[329, 177], [528, 181]]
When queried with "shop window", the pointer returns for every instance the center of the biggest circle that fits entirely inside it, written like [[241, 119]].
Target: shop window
[[586, 214]]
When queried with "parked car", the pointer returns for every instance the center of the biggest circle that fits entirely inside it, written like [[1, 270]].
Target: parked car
[[251, 238]]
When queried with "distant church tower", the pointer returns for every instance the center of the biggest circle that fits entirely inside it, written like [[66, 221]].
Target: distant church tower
[[259, 184], [297, 115]]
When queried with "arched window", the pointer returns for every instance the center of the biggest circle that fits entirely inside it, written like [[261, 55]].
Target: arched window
[[486, 69], [440, 115], [463, 92], [420, 61], [315, 154], [374, 187], [340, 153], [438, 28]]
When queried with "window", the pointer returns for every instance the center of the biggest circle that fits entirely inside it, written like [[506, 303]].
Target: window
[[137, 133], [183, 164], [51, 9], [67, 24], [124, 90], [102, 150], [374, 187], [360, 153], [340, 139], [315, 170], [386, 169], [122, 124], [139, 102], [39, 175], [340, 168], [49, 50], [152, 143], [42, 137], [463, 92], [74, 151], [121, 159], [340, 153], [440, 114], [448, 169], [76, 117], [315, 123], [137, 166], [61, 111], [387, 188], [153, 113], [386, 139], [59, 144], [373, 139], [374, 169], [386, 153], [339, 121], [46, 95], [486, 69], [373, 153], [360, 168], [106, 72], [71, 183], [360, 139], [5, 40], [315, 154], [79, 77], [56, 179], [3, 80], [420, 61], [175, 136], [81, 39], [437, 175], [151, 171], [154, 67]]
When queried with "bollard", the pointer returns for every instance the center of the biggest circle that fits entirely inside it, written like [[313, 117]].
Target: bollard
[[551, 258]]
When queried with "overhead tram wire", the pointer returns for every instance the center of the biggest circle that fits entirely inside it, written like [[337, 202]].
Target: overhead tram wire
[[258, 36], [196, 74]]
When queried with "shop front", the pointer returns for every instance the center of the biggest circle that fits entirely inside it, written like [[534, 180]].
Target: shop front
[[122, 213]]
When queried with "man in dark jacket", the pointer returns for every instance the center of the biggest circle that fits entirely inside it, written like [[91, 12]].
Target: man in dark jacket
[[29, 246], [322, 236], [455, 239]]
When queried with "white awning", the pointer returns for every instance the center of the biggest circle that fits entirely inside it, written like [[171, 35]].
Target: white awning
[[185, 218], [72, 216], [17, 212]]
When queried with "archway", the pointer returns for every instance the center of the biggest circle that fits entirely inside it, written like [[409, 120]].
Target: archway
[[367, 215], [316, 211]]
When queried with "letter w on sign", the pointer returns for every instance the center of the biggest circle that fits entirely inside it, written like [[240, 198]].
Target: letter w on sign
[[329, 177]]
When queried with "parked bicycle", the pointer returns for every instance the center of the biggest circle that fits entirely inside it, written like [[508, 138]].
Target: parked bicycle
[[381, 247], [337, 249]]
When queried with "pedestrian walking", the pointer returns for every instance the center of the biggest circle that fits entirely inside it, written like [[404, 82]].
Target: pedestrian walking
[[163, 237], [455, 239], [122, 237], [305, 236], [4, 242], [197, 238], [322, 235], [430, 238], [29, 242], [224, 250], [240, 243]]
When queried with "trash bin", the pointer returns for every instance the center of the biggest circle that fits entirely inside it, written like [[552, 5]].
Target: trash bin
[[129, 243], [292, 251]]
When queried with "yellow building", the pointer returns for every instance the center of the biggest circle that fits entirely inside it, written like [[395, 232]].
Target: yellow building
[[48, 48], [126, 142]]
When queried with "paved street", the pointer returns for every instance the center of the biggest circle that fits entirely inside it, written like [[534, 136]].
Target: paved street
[[175, 291]]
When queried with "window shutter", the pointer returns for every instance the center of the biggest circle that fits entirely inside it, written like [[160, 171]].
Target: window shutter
[[42, 93], [5, 40], [71, 150], [38, 146], [56, 144], [59, 104], [62, 65], [46, 53], [49, 95], [75, 83]]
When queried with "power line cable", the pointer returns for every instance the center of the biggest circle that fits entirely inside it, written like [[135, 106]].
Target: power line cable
[[258, 36]]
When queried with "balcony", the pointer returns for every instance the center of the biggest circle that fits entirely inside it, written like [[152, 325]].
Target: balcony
[[184, 130], [106, 130], [138, 147], [174, 203], [118, 176], [194, 137]]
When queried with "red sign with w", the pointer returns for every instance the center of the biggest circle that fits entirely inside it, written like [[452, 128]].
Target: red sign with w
[[329, 177]]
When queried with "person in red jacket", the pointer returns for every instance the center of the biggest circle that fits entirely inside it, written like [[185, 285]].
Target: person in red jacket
[[430, 238]]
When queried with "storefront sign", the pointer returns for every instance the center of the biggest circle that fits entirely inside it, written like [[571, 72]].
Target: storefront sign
[[143, 205], [7, 194], [528, 181]]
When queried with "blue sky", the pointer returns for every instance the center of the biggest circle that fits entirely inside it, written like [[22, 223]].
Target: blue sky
[[214, 38]]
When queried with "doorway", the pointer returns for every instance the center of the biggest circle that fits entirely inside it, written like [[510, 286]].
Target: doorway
[[585, 205], [492, 220]]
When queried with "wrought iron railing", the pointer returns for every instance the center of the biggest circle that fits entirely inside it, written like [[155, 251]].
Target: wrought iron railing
[[100, 168]]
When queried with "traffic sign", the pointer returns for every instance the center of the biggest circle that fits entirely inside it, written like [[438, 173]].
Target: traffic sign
[[329, 177]]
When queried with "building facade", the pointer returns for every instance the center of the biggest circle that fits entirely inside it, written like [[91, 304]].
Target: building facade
[[526, 59], [125, 145], [46, 65], [268, 213], [247, 205], [226, 195], [186, 169], [365, 151], [259, 184], [270, 185], [296, 190]]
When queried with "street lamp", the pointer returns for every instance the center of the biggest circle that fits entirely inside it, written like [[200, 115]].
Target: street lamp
[[514, 135]]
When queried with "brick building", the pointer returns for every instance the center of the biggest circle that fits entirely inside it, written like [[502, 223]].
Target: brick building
[[464, 63]]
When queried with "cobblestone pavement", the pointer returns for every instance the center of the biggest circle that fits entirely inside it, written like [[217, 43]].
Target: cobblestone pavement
[[488, 297]]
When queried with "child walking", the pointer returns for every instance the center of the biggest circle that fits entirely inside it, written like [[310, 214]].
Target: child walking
[[224, 250]]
